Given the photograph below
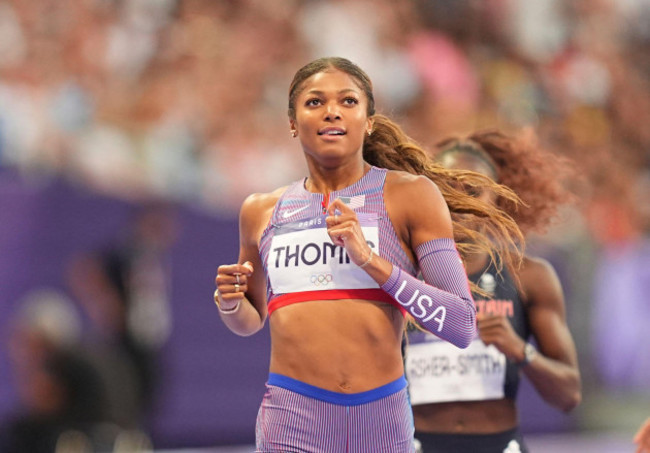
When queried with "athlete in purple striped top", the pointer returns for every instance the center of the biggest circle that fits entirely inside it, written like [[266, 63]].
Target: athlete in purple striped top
[[338, 278]]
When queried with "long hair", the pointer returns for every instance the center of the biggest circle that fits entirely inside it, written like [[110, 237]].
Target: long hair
[[539, 177], [390, 147]]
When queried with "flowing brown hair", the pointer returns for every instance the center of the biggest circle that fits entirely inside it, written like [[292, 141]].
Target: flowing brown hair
[[538, 176], [390, 147]]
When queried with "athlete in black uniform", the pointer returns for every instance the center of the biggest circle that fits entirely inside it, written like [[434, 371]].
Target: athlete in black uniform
[[464, 400]]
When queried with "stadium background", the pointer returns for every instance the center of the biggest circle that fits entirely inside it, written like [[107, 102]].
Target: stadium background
[[106, 105]]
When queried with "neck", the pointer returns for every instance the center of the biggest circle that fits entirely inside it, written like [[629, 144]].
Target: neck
[[326, 180]]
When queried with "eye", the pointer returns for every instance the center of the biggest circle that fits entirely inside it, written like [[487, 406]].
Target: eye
[[475, 192], [350, 101], [472, 191], [312, 102]]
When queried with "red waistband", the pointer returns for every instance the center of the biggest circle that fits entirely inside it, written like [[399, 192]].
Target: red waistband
[[375, 294]]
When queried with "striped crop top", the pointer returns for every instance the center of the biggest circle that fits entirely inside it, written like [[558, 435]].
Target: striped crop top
[[300, 261]]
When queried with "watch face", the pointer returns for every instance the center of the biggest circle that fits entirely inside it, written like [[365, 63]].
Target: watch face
[[529, 352]]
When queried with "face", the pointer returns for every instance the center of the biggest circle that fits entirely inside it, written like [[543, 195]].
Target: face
[[465, 161], [331, 117]]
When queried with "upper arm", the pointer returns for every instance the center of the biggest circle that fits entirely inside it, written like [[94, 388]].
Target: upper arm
[[544, 299], [417, 209], [254, 216]]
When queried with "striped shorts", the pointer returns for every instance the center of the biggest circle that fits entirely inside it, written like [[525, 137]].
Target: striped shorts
[[298, 418]]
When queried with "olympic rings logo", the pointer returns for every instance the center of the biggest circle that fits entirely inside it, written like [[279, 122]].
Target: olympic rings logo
[[320, 279]]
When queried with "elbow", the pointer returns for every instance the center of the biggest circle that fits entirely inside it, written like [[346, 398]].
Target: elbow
[[471, 333], [464, 342], [571, 402], [467, 336], [572, 397]]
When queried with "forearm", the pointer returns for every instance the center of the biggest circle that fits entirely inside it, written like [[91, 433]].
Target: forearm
[[243, 321], [442, 303], [443, 313], [556, 382]]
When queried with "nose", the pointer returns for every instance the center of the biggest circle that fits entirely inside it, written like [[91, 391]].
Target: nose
[[332, 112]]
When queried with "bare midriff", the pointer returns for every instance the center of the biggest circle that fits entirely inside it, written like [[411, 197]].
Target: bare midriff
[[346, 346], [469, 417]]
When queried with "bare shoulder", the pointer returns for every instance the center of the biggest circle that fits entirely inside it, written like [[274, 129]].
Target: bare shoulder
[[416, 207], [256, 202], [256, 212], [403, 180], [540, 281], [401, 185], [534, 268]]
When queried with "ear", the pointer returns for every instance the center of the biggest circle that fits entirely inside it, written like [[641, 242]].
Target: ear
[[370, 123], [293, 130]]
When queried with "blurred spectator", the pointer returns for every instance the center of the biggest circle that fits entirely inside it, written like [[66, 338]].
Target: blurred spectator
[[59, 389], [125, 290], [357, 30], [158, 95], [621, 286]]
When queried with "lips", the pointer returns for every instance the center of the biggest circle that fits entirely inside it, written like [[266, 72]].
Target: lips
[[332, 131]]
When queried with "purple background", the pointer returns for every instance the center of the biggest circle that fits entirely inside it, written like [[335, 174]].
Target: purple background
[[213, 380]]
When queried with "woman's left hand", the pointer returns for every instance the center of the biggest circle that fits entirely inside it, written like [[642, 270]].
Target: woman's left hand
[[498, 331], [344, 229]]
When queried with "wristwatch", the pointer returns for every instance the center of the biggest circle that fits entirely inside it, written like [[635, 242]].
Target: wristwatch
[[529, 354]]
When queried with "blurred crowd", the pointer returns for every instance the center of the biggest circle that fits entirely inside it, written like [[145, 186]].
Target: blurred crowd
[[186, 99], [85, 361]]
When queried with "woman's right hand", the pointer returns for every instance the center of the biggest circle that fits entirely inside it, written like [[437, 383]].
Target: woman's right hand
[[232, 284]]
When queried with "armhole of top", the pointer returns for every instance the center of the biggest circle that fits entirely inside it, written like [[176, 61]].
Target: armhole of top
[[415, 265], [272, 220]]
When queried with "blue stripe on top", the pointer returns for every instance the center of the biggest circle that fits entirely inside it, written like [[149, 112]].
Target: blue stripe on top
[[342, 399], [435, 246]]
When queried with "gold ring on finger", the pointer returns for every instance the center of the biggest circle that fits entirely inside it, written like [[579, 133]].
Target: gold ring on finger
[[236, 287]]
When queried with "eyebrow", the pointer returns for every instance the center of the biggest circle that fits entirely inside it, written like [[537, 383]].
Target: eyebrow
[[345, 90]]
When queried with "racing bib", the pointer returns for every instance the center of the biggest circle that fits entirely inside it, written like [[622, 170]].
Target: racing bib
[[440, 372], [302, 257]]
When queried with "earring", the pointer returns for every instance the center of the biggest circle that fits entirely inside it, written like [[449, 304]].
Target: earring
[[369, 133], [294, 133]]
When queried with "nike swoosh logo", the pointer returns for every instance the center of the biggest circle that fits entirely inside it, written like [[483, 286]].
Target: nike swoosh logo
[[288, 214]]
